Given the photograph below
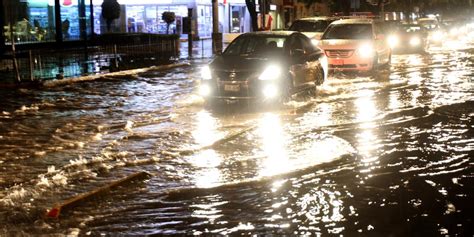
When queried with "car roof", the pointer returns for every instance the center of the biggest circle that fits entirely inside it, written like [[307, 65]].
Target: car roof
[[354, 21], [318, 18], [271, 33]]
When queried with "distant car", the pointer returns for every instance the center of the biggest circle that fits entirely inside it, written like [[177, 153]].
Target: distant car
[[264, 66], [454, 29], [408, 38], [436, 34], [355, 45], [313, 27]]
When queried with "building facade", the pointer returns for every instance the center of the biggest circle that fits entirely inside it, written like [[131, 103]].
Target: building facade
[[33, 21]]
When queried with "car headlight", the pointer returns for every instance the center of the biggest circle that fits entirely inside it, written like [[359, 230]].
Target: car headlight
[[415, 41], [204, 90], [270, 91], [206, 73], [392, 41], [366, 50], [454, 32], [271, 72], [437, 35]]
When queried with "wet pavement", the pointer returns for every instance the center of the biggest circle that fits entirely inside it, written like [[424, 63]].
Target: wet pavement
[[383, 155]]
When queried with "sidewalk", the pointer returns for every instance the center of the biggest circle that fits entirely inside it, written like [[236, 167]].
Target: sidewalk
[[201, 49]]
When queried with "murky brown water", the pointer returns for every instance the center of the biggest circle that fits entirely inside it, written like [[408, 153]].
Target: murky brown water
[[384, 155]]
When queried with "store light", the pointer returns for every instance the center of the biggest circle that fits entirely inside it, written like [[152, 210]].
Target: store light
[[273, 7]]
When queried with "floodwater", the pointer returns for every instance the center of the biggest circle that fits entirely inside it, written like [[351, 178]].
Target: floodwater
[[390, 154]]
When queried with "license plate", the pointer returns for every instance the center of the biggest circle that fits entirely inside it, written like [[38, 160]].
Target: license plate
[[233, 88], [338, 61]]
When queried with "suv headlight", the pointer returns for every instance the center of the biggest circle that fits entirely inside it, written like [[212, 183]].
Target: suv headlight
[[392, 41], [206, 73], [415, 41], [271, 72], [437, 35], [366, 50]]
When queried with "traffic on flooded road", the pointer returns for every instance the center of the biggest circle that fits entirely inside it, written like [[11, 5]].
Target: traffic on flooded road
[[388, 153]]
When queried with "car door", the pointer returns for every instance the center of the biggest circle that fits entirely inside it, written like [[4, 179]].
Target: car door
[[311, 65], [297, 60]]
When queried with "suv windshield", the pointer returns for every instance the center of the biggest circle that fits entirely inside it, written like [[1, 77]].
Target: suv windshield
[[309, 26], [349, 31], [253, 45]]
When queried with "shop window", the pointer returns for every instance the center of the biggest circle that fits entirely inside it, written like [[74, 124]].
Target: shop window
[[237, 19], [28, 21], [204, 20], [70, 15]]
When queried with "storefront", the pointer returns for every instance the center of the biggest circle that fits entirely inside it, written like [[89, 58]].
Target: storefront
[[238, 18], [141, 16], [29, 21]]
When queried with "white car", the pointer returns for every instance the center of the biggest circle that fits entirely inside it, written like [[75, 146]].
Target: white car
[[436, 34], [313, 27], [355, 45]]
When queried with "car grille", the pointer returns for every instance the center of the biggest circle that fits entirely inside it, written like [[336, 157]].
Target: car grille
[[339, 53], [233, 75]]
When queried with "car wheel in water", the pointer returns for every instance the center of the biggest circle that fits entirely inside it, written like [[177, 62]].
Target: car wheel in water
[[286, 90], [389, 62], [319, 77], [375, 64]]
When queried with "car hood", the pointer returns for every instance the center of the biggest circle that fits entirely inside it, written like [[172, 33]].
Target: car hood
[[313, 35], [410, 34], [329, 44], [241, 63]]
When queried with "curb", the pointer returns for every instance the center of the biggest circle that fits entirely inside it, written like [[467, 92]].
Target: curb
[[69, 80], [53, 83]]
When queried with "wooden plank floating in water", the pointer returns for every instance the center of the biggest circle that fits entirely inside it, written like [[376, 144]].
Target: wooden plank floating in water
[[56, 211]]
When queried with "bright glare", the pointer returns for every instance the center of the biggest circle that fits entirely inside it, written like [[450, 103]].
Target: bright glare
[[415, 41], [206, 73], [270, 91], [438, 35], [206, 132], [204, 90], [274, 142], [366, 50], [454, 31], [366, 107], [272, 72], [392, 41], [315, 42], [207, 173], [324, 63]]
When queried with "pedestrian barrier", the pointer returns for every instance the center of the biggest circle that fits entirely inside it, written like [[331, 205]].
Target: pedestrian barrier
[[106, 53]]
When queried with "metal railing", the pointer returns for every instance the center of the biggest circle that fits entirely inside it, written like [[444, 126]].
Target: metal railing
[[100, 55]]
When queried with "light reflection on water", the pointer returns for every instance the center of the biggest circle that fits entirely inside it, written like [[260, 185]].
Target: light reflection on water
[[208, 173], [274, 145], [206, 131]]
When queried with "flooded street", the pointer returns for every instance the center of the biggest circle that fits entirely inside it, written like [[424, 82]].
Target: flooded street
[[390, 154]]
